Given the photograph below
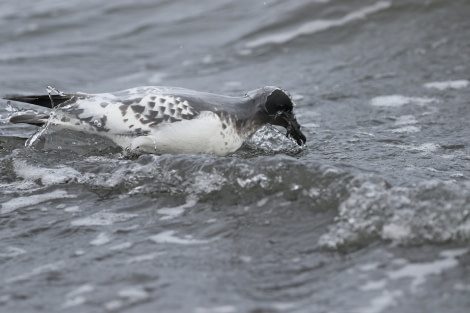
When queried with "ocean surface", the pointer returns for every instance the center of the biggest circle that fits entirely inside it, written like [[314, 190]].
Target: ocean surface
[[372, 216]]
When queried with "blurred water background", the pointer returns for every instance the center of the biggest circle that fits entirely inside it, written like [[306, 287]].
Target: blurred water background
[[371, 217]]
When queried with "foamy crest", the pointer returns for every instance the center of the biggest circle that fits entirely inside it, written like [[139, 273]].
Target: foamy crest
[[48, 176], [433, 211]]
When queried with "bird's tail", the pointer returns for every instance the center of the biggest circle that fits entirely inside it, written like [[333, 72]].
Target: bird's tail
[[47, 101], [51, 100], [32, 118]]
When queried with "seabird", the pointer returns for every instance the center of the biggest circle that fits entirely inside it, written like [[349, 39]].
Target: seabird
[[167, 119]]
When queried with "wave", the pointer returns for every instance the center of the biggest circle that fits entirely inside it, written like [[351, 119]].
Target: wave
[[297, 28], [367, 208], [432, 211]]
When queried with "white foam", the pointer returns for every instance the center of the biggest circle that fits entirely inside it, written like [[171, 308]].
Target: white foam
[[218, 309], [312, 192], [451, 84], [419, 272], [385, 300], [374, 285], [121, 246], [461, 287], [245, 258], [103, 218], [464, 229], [406, 129], [396, 232], [72, 209], [79, 252], [128, 295], [75, 301], [406, 120], [143, 257], [262, 202], [46, 268], [21, 202], [425, 147], [316, 26], [11, 252], [133, 294], [80, 290], [454, 253], [399, 100], [283, 306], [47, 176], [169, 237], [14, 187], [75, 297], [259, 179], [368, 267], [101, 239], [205, 183], [113, 305], [173, 212]]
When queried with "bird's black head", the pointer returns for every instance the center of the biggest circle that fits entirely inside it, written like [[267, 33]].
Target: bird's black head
[[278, 107]]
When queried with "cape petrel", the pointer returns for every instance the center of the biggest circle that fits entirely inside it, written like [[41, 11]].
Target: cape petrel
[[167, 119]]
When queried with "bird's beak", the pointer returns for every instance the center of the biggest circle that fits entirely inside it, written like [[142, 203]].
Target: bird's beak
[[293, 129]]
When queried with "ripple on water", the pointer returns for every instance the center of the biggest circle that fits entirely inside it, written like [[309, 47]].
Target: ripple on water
[[314, 26], [169, 236], [404, 278], [451, 84], [28, 201], [399, 100], [103, 218]]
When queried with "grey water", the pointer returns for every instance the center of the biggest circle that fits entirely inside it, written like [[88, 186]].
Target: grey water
[[372, 216]]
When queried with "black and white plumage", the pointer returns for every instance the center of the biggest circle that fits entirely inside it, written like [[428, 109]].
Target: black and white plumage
[[167, 119]]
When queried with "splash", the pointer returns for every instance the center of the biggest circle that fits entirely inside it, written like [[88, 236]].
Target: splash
[[270, 140], [431, 212]]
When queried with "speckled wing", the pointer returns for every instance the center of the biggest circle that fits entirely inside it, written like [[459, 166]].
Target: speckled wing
[[152, 110], [130, 112]]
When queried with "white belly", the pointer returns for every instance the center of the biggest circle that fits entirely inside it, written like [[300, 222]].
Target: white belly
[[203, 134]]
